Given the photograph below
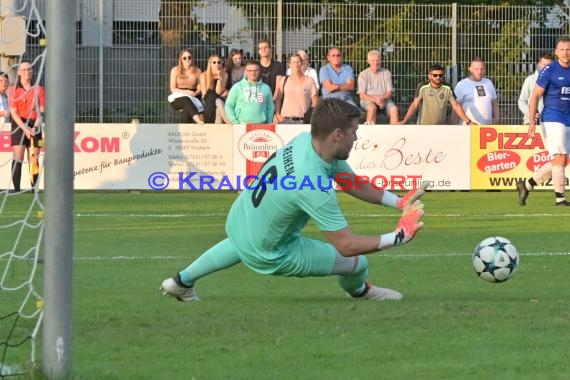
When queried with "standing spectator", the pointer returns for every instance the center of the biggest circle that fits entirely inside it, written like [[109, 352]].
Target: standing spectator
[[337, 78], [27, 102], [184, 85], [250, 100], [265, 224], [306, 68], [295, 94], [375, 90], [528, 86], [213, 88], [553, 85], [4, 107], [234, 67], [270, 68], [477, 96], [433, 99]]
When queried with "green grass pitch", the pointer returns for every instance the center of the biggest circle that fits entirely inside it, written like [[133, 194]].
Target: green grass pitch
[[450, 324]]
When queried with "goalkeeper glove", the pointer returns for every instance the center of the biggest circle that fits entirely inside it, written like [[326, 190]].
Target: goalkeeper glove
[[410, 223], [412, 196]]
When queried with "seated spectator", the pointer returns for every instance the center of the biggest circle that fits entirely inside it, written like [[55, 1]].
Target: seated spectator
[[375, 90], [234, 67], [184, 85], [213, 87], [250, 100], [433, 99], [337, 78], [295, 94], [306, 68]]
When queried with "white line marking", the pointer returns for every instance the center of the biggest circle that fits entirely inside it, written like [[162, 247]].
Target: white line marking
[[470, 216], [390, 255], [144, 215]]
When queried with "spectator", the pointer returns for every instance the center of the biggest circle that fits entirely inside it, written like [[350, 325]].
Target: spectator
[[4, 107], [250, 100], [184, 85], [433, 99], [270, 68], [552, 85], [337, 78], [306, 68], [234, 67], [375, 90], [477, 96], [26, 102], [528, 86], [213, 88], [295, 94]]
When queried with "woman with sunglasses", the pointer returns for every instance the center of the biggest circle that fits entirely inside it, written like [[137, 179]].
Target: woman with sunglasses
[[433, 99], [213, 87], [184, 85]]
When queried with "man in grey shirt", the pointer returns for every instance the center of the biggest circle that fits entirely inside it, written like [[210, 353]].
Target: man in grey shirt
[[528, 86], [375, 90]]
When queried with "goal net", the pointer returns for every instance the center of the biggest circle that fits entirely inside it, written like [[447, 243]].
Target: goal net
[[21, 228], [21, 213]]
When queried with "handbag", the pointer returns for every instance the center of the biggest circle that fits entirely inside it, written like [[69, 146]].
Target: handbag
[[307, 115]]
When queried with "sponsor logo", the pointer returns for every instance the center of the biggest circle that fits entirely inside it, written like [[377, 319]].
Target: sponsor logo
[[257, 145], [499, 161], [508, 140], [92, 144]]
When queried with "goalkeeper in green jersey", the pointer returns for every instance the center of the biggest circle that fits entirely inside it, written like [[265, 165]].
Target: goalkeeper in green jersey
[[265, 222]]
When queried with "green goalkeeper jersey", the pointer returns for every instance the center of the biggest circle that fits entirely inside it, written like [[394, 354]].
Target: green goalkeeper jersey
[[269, 216]]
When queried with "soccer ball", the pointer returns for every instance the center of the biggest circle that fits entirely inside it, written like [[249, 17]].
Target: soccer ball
[[495, 259]]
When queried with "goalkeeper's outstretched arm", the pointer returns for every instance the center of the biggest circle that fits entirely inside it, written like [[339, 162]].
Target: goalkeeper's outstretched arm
[[349, 244]]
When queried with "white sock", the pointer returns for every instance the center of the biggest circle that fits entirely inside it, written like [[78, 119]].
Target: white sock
[[542, 175], [558, 181]]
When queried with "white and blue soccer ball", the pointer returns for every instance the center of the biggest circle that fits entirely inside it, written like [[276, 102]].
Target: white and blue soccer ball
[[495, 259]]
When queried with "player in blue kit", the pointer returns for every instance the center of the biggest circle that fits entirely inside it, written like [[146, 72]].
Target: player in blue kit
[[265, 222], [553, 85]]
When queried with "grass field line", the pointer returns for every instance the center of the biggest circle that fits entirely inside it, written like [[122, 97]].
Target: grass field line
[[391, 255], [451, 215], [109, 215], [469, 216]]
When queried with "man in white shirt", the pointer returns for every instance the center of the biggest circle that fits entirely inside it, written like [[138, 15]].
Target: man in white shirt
[[477, 96]]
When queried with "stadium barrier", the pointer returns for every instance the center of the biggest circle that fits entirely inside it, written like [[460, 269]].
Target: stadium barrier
[[190, 157]]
